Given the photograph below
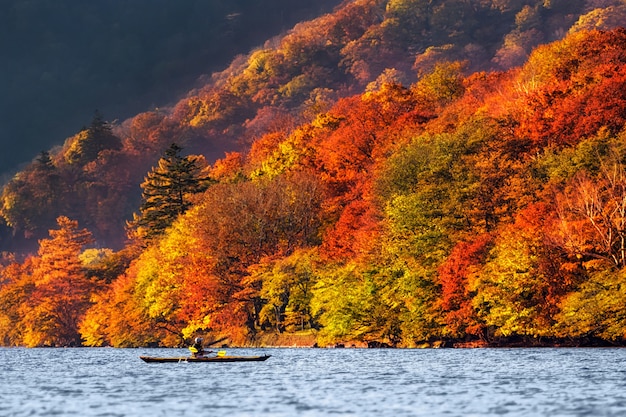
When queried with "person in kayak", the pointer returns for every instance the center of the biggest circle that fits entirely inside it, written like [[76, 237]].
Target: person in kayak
[[197, 351]]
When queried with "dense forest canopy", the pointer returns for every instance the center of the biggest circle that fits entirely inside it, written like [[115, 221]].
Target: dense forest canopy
[[398, 172], [64, 59]]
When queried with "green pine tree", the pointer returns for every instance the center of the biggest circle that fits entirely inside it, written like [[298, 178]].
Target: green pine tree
[[166, 192]]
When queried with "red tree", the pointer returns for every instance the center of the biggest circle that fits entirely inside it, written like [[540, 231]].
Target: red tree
[[456, 296]]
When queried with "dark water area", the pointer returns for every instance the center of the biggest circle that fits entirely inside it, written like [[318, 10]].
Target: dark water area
[[316, 382]]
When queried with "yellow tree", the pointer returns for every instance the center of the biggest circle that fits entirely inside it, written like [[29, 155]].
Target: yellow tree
[[286, 289], [596, 308], [168, 294]]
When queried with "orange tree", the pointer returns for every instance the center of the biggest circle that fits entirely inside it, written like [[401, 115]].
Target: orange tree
[[62, 292]]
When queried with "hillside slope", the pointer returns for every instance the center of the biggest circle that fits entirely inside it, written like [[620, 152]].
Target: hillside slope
[[461, 207], [282, 84]]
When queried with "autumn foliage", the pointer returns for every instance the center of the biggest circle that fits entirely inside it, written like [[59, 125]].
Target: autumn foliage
[[459, 207]]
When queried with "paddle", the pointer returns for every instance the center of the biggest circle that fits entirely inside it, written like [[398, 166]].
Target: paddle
[[216, 341], [219, 353]]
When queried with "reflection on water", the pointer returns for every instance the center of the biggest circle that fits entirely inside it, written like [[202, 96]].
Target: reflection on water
[[316, 382]]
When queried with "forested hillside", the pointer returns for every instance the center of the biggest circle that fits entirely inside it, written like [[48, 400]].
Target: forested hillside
[[397, 172]]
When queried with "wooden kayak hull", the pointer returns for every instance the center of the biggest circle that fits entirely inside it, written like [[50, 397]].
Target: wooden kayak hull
[[152, 359]]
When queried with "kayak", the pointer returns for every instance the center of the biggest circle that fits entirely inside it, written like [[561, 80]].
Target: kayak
[[152, 359]]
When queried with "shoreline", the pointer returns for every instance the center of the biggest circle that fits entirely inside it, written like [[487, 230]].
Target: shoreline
[[308, 341]]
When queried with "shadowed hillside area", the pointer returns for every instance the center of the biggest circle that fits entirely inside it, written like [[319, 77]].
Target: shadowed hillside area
[[63, 59]]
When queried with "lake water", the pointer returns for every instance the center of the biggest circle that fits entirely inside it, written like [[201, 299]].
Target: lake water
[[315, 382]]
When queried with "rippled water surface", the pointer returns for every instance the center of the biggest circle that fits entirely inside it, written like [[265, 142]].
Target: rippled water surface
[[316, 382]]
